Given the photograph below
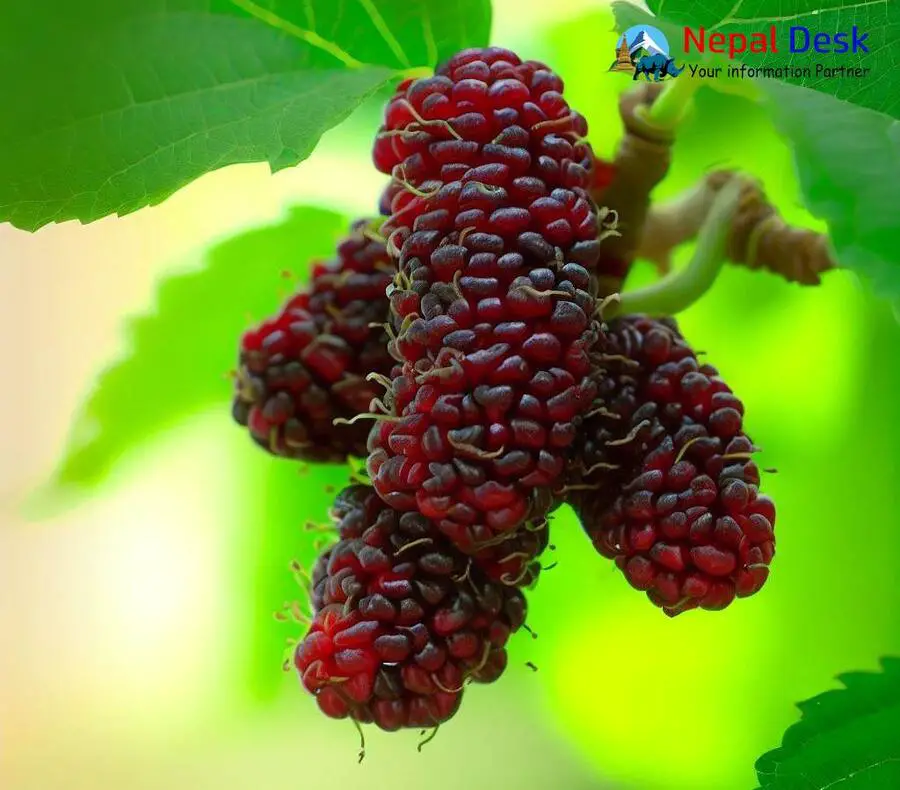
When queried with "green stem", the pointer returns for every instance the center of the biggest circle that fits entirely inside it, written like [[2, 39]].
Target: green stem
[[672, 104], [681, 289]]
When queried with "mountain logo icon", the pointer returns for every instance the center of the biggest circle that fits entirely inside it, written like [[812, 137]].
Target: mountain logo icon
[[643, 49]]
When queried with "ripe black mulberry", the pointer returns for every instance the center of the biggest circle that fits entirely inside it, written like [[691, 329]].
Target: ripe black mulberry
[[669, 487], [494, 304], [402, 621]]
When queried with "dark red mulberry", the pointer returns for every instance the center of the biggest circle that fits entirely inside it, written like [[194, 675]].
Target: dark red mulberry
[[673, 493], [402, 620], [494, 304], [308, 364]]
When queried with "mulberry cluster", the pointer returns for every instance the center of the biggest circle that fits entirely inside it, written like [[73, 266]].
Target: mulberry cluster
[[494, 305], [307, 366], [672, 490], [468, 325], [402, 621]]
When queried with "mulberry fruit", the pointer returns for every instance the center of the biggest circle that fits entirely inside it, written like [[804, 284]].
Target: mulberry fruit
[[401, 620], [672, 493], [307, 365], [494, 303]]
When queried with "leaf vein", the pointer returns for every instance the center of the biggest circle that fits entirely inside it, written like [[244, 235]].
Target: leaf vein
[[202, 90], [729, 19], [385, 32], [308, 36]]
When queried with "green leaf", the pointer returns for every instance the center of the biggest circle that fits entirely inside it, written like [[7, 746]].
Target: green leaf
[[112, 105], [845, 738], [846, 174], [879, 21], [179, 355]]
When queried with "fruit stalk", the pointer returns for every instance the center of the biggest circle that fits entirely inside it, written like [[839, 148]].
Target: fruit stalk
[[641, 161], [671, 105], [679, 290]]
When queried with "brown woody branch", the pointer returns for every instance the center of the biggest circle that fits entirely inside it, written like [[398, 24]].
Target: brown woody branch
[[641, 161], [760, 238]]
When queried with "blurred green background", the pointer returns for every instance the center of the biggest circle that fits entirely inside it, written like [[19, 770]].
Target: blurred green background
[[140, 649]]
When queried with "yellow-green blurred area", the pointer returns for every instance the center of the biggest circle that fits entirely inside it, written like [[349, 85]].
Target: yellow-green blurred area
[[139, 648]]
